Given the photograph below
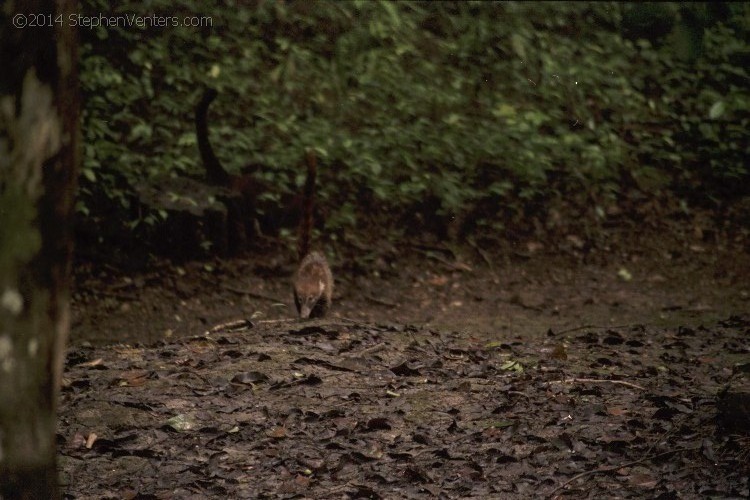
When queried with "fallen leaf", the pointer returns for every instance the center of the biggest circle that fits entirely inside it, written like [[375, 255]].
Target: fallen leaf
[[616, 412], [90, 440], [644, 480], [559, 352], [249, 378], [134, 378], [181, 423], [277, 433]]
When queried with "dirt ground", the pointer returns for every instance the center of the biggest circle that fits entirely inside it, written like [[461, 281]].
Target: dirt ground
[[441, 373], [515, 293]]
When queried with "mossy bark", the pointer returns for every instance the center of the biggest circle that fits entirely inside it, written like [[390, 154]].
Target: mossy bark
[[39, 137]]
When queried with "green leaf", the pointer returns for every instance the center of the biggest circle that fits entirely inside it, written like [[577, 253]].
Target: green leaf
[[717, 110], [89, 174]]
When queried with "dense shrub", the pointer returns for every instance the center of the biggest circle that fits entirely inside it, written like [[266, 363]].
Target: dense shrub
[[423, 110]]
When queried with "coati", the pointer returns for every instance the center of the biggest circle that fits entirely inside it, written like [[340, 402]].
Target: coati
[[243, 210], [267, 216], [215, 172], [313, 281]]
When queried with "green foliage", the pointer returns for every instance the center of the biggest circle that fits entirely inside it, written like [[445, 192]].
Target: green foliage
[[431, 108]]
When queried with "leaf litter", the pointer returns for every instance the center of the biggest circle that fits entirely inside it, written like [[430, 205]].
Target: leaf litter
[[348, 410]]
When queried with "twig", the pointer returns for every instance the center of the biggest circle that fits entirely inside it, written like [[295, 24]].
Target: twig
[[380, 301], [482, 254], [598, 327], [256, 295], [595, 381], [239, 325], [613, 468], [428, 251], [349, 320], [282, 320], [457, 266], [331, 321], [236, 325], [372, 349], [425, 249]]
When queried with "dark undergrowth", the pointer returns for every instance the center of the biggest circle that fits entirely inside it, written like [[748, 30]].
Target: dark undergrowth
[[455, 119]]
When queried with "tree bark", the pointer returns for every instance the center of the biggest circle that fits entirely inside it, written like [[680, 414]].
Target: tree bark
[[39, 155]]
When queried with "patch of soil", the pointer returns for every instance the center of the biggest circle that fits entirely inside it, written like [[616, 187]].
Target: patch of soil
[[513, 293], [441, 372], [336, 409]]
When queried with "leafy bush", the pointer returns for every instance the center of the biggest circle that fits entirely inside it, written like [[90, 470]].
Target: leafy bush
[[433, 109]]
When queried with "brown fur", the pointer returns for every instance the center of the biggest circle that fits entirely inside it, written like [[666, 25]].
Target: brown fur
[[313, 286], [215, 173], [245, 184], [244, 211], [313, 281], [308, 201]]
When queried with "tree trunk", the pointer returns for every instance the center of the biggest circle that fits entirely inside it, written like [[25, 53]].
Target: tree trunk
[[39, 155]]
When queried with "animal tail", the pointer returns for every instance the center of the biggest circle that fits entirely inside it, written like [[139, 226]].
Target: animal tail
[[215, 173], [306, 223]]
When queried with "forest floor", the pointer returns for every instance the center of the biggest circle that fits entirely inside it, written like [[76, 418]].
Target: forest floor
[[441, 372]]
